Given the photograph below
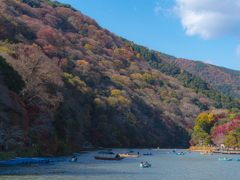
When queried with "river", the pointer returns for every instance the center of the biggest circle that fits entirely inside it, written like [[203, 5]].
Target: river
[[164, 166]]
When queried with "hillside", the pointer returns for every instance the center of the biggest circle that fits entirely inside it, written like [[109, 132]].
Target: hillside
[[223, 79], [217, 127], [84, 84]]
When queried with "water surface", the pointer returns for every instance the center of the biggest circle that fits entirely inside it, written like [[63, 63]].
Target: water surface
[[164, 166]]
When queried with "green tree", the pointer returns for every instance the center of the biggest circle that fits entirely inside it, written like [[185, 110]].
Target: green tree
[[233, 138]]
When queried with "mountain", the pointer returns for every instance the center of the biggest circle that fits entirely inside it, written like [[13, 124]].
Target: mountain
[[82, 84], [222, 79]]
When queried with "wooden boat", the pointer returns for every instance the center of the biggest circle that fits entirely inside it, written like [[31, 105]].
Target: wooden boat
[[225, 159], [125, 155], [108, 158], [148, 166], [205, 153]]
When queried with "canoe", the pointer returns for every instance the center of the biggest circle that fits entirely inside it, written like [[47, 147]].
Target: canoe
[[179, 154], [187, 152], [225, 159], [155, 149], [73, 161], [147, 154], [124, 155], [237, 159], [108, 158], [149, 165], [47, 164]]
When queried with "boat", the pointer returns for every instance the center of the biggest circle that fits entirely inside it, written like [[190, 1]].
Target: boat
[[206, 153], [237, 159], [171, 152], [127, 155], [148, 166], [179, 153], [225, 159], [11, 162], [147, 154], [76, 154], [47, 164], [107, 158], [155, 149], [187, 152]]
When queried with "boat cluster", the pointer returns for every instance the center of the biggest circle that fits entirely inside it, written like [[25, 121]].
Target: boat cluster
[[176, 153], [29, 160], [127, 153]]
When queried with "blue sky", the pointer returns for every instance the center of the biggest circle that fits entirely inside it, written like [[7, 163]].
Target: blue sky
[[206, 30]]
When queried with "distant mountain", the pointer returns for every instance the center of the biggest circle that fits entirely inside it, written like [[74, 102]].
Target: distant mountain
[[83, 84], [225, 80]]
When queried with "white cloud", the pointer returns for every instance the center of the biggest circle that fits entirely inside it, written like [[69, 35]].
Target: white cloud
[[209, 18], [157, 8]]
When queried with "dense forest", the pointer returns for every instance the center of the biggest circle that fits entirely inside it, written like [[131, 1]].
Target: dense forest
[[69, 82], [216, 128], [224, 80]]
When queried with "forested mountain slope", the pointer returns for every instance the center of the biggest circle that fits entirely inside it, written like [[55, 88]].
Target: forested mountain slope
[[84, 84], [223, 79]]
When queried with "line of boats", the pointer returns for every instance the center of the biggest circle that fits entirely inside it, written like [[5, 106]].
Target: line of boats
[[29, 160]]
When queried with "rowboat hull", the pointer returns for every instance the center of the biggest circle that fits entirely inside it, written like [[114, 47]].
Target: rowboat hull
[[225, 159], [149, 165], [47, 164], [124, 155], [106, 158]]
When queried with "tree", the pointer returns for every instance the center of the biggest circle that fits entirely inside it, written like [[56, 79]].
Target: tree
[[233, 138]]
